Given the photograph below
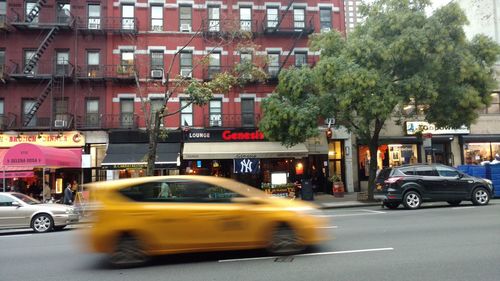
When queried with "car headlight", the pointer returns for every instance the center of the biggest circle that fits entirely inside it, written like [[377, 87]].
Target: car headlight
[[70, 211], [489, 182]]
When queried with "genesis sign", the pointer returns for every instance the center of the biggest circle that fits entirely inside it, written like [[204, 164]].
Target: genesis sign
[[223, 135]]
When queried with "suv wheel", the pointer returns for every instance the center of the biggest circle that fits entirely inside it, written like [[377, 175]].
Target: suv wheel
[[391, 205], [480, 196], [412, 200], [128, 253]]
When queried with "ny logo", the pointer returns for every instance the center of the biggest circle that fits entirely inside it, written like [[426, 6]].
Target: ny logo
[[246, 166]]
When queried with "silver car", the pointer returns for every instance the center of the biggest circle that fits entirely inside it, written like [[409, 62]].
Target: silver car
[[20, 211]]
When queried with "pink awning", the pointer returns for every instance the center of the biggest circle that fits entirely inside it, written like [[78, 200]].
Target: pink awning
[[7, 168], [26, 154]]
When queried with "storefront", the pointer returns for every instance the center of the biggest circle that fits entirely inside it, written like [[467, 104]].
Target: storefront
[[126, 155], [29, 179], [479, 148], [244, 155]]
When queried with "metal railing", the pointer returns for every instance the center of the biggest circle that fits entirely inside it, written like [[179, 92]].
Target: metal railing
[[44, 69], [105, 71], [288, 24], [118, 24], [107, 121], [230, 26], [231, 120], [56, 121]]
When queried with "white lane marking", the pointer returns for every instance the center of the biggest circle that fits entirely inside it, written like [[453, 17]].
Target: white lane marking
[[313, 254], [14, 235], [460, 208], [372, 211], [353, 215]]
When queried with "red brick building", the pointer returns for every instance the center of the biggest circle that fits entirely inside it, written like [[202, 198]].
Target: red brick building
[[75, 65]]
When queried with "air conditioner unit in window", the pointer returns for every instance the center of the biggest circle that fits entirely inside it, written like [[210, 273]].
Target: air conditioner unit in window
[[185, 27], [186, 73], [157, 73], [60, 123]]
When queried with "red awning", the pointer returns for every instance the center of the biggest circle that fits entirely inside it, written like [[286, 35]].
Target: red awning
[[31, 155]]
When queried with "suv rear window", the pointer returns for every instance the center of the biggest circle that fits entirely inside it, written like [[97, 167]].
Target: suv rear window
[[410, 171], [384, 174]]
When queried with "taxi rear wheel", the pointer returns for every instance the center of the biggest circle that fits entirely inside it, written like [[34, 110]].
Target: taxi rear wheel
[[285, 241], [128, 252]]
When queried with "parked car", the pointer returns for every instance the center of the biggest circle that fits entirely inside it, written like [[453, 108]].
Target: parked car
[[21, 211], [414, 184], [142, 217]]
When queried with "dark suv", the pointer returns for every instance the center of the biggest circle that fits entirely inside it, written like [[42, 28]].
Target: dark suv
[[414, 184]]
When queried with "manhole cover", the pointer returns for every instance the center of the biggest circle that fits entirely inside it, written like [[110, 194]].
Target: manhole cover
[[283, 259]]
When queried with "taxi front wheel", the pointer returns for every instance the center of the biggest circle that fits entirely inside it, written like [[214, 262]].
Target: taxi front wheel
[[128, 252], [284, 241]]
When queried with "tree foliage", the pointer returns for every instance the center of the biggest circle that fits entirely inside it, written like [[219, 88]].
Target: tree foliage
[[399, 56]]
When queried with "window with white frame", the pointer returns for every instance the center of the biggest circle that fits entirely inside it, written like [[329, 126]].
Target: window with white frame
[[215, 113], [27, 105], [186, 113], [30, 5], [63, 12], [300, 59], [185, 18], [62, 62], [494, 107], [325, 19], [94, 16], [246, 18], [93, 63], [299, 18], [127, 63], [157, 64], [128, 17], [126, 112], [3, 121], [214, 66], [272, 17], [214, 18], [155, 105], [273, 64], [247, 112], [92, 112], [2, 107], [186, 64], [156, 18]]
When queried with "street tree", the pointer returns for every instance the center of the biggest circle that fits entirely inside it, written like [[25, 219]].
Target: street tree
[[399, 64], [197, 92]]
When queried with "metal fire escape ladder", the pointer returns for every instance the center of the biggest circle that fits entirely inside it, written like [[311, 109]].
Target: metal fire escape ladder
[[35, 11], [291, 49], [280, 19], [41, 49], [54, 86]]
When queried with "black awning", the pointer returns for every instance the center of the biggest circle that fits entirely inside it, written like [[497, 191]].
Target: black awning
[[481, 138], [134, 155]]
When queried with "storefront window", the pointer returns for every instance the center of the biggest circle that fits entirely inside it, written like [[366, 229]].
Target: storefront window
[[475, 153], [335, 158], [388, 155]]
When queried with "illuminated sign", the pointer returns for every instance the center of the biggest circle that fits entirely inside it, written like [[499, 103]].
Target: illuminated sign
[[228, 135], [223, 135], [52, 139], [428, 128]]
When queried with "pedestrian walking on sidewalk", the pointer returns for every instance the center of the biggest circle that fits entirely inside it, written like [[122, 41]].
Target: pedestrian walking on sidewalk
[[68, 195]]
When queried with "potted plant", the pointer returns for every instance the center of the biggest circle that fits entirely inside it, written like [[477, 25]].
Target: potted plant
[[338, 185]]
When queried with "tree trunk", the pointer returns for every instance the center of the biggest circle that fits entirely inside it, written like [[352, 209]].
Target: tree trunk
[[153, 141], [373, 146]]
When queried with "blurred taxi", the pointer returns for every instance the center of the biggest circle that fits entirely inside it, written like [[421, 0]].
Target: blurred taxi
[[141, 217]]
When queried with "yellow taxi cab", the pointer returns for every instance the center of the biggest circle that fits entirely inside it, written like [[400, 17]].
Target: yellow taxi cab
[[142, 217]]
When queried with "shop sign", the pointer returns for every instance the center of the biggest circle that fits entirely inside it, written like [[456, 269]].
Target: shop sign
[[124, 166], [223, 135], [52, 139], [246, 166], [427, 128]]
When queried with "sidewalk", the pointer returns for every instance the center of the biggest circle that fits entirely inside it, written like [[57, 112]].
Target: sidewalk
[[350, 199]]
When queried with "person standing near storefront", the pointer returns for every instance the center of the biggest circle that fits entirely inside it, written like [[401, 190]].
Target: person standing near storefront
[[46, 192], [68, 195]]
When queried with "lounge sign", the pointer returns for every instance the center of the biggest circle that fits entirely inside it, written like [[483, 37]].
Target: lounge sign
[[223, 135], [52, 139], [428, 128]]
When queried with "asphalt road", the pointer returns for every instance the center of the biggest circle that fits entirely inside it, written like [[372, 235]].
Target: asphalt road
[[437, 242]]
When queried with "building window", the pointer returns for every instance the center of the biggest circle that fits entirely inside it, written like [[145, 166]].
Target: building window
[[214, 66], [27, 105], [156, 18], [185, 18], [246, 58], [273, 64], [62, 63], [94, 14], [2, 108], [215, 113], [93, 63], [126, 113], [186, 64], [128, 17], [272, 17], [61, 116], [475, 153], [155, 105], [126, 63], [300, 59], [157, 64], [3, 120], [325, 19], [299, 18], [2, 62], [28, 55], [63, 13], [3, 11], [30, 5], [213, 18], [186, 113], [246, 18], [92, 113], [494, 107], [247, 112]]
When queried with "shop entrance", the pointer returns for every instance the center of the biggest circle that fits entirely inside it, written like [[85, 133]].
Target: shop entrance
[[336, 161]]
